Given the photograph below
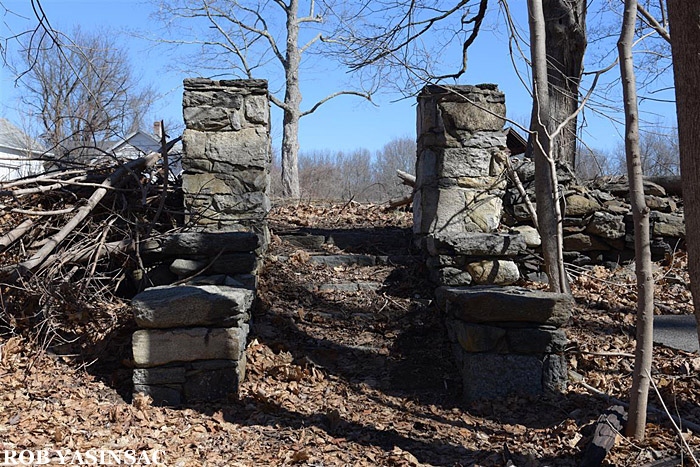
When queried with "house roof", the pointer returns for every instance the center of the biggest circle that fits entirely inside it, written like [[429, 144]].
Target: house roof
[[128, 138], [14, 138]]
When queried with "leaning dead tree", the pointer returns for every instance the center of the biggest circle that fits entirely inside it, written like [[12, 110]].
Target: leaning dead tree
[[245, 38]]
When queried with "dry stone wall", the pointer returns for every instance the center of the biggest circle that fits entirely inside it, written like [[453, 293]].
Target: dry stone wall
[[193, 323], [597, 224], [506, 339]]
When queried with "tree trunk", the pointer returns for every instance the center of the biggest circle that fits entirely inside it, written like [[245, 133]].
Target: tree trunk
[[292, 103], [565, 25], [546, 186], [684, 17], [645, 282]]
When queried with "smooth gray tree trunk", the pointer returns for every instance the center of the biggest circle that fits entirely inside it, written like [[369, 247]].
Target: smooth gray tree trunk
[[639, 394], [292, 105], [546, 186]]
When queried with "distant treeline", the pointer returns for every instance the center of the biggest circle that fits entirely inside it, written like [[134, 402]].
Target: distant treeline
[[358, 174]]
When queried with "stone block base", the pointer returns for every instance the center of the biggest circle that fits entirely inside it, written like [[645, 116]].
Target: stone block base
[[203, 380]]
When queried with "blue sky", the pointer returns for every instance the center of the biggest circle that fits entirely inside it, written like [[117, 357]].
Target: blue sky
[[344, 123]]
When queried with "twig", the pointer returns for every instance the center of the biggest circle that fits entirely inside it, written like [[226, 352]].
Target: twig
[[673, 419]]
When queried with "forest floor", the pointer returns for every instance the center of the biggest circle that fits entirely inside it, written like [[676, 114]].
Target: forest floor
[[362, 377]]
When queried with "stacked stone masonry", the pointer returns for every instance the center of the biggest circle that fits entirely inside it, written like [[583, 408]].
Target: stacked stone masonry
[[597, 225], [194, 320], [506, 340]]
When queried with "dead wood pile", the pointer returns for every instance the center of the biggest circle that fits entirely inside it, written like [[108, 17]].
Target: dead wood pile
[[69, 242]]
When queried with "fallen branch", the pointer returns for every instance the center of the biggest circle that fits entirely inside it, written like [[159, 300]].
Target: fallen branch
[[608, 427], [15, 234], [398, 202], [406, 178]]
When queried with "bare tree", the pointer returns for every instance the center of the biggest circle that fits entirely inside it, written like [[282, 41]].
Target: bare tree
[[639, 393], [246, 37], [684, 19], [658, 149], [83, 90], [543, 127]]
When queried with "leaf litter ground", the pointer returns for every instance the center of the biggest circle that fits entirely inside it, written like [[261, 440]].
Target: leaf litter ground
[[351, 378]]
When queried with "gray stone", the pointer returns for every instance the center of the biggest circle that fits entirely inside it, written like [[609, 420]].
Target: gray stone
[[583, 242], [257, 109], [169, 375], [530, 234], [229, 264], [504, 304], [161, 395], [157, 347], [621, 188], [469, 117], [450, 276], [577, 205], [186, 305], [606, 225], [667, 225], [537, 340], [208, 118], [656, 203], [496, 272], [214, 380], [555, 374], [477, 337], [344, 260], [477, 244], [231, 150], [494, 376], [199, 244]]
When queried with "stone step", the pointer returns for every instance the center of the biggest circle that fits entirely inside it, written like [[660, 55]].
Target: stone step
[[344, 260], [200, 244], [229, 264], [190, 305], [504, 304]]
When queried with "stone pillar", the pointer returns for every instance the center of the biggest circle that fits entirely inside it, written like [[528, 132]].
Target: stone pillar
[[227, 154], [460, 184], [506, 339], [192, 337]]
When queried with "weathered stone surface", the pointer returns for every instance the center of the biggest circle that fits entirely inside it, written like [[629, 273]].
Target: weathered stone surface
[[496, 272], [667, 225], [449, 276], [493, 376], [530, 234], [438, 163], [157, 347], [454, 210], [538, 340], [182, 306], [477, 244], [229, 264], [163, 375], [469, 117], [245, 281], [257, 109], [477, 337], [606, 225], [583, 242], [200, 243], [161, 395], [502, 304], [577, 205], [248, 147], [657, 203], [214, 379], [211, 118]]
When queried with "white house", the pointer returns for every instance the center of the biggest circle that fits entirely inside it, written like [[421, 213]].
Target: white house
[[19, 153]]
